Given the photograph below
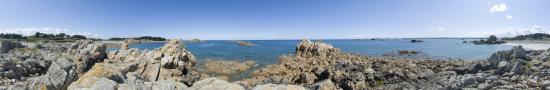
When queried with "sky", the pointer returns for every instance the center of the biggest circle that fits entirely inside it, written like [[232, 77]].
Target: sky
[[276, 19]]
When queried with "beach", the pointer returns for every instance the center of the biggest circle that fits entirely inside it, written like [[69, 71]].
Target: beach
[[534, 45]]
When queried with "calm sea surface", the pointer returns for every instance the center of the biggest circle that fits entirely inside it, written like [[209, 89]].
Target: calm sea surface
[[267, 51]]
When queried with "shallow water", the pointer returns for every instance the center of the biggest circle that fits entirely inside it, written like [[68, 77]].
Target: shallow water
[[267, 51]]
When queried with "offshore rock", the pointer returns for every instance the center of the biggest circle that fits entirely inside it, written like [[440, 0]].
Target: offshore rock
[[308, 48]]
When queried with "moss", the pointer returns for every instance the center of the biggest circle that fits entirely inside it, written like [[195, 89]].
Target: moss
[[379, 82]]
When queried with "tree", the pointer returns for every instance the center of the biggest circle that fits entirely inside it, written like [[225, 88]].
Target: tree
[[61, 35], [492, 38], [79, 36]]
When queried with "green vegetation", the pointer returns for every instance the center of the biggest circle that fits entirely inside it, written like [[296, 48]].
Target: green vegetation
[[536, 36], [145, 38], [38, 36]]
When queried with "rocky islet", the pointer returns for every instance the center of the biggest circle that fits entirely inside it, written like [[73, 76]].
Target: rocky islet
[[86, 64]]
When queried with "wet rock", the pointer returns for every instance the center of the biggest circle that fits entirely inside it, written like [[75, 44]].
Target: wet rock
[[278, 87], [215, 84]]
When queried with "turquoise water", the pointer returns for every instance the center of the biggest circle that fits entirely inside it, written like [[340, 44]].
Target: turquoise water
[[267, 51]]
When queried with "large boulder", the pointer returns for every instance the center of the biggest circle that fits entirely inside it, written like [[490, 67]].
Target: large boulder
[[6, 46], [58, 77], [278, 87], [215, 84], [307, 48], [97, 73], [512, 60], [13, 70], [227, 67], [87, 53], [170, 62]]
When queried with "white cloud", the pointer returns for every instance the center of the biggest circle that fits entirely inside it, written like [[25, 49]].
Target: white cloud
[[498, 8], [508, 17], [440, 28], [512, 31], [32, 31]]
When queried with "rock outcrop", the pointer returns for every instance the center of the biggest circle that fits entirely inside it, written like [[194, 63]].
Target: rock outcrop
[[59, 75], [227, 67], [6, 46], [315, 65], [491, 40], [278, 87], [307, 48], [87, 54], [215, 84]]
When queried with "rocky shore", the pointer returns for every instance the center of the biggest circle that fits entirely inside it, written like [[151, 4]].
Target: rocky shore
[[86, 64]]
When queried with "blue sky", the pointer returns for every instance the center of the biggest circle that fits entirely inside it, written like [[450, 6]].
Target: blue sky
[[276, 19]]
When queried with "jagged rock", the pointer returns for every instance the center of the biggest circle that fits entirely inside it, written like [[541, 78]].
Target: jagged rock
[[278, 87], [545, 83], [103, 84], [59, 75], [227, 67], [215, 84], [13, 70], [307, 48], [87, 53], [174, 54], [509, 61], [99, 70], [325, 85], [307, 78], [170, 62], [6, 46], [169, 85]]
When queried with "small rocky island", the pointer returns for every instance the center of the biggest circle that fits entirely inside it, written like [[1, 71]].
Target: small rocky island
[[491, 40], [416, 41], [85, 64]]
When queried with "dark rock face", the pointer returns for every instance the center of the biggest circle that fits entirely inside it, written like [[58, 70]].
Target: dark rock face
[[509, 61], [416, 41], [6, 46], [491, 40]]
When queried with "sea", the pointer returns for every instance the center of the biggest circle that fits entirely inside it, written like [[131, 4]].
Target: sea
[[266, 52]]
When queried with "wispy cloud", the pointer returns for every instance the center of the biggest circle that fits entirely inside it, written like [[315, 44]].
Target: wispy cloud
[[508, 17], [513, 31], [498, 8], [440, 28], [32, 31]]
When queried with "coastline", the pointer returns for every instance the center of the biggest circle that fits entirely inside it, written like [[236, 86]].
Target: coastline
[[528, 44]]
